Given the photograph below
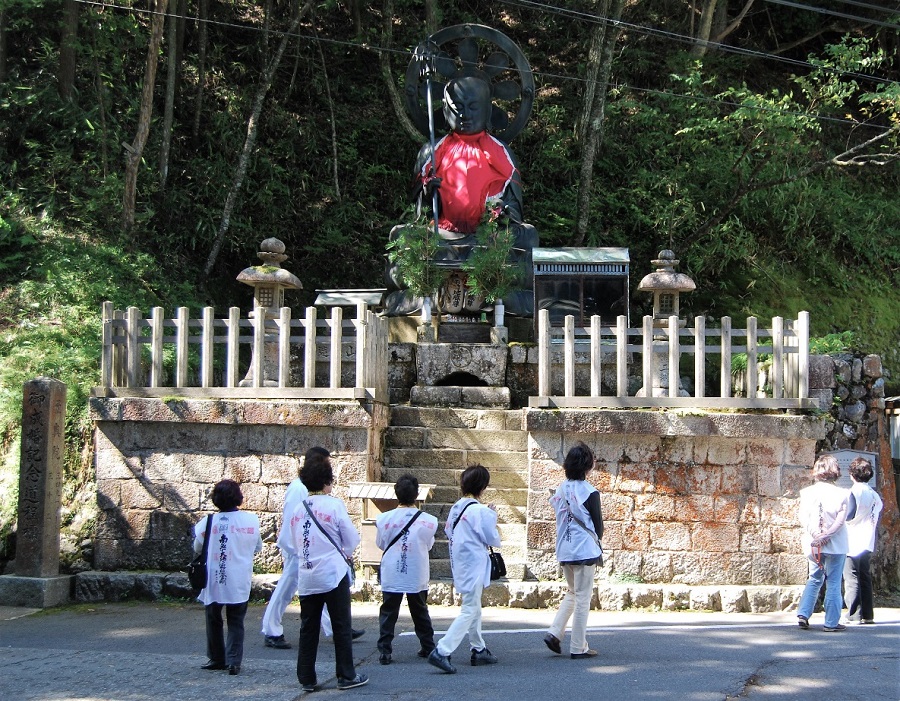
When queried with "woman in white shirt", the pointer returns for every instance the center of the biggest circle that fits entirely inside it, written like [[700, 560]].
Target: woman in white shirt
[[861, 531], [579, 528], [406, 535], [471, 528], [233, 541], [324, 539], [823, 510]]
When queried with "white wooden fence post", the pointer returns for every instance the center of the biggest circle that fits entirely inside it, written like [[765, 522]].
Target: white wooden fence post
[[802, 330], [309, 350], [544, 353], [284, 347], [106, 355], [362, 330], [182, 318], [699, 357], [156, 346], [621, 356], [206, 348], [334, 375], [133, 345], [777, 357], [648, 356], [726, 357], [259, 346], [674, 357], [752, 372], [596, 357], [569, 355], [233, 347]]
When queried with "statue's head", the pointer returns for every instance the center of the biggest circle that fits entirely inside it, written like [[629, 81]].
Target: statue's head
[[467, 105]]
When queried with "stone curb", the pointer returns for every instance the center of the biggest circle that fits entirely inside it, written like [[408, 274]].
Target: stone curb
[[94, 587]]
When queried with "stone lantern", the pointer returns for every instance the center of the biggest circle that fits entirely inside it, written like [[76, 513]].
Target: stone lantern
[[666, 285], [269, 281]]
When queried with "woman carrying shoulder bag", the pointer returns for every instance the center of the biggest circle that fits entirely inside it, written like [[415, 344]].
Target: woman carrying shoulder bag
[[579, 529]]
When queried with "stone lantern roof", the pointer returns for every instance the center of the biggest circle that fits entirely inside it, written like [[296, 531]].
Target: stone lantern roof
[[272, 254], [664, 278]]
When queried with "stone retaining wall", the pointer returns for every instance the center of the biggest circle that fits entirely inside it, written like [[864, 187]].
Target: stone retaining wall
[[688, 498], [157, 460]]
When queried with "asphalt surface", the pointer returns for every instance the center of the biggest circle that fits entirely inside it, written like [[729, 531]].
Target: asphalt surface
[[143, 651]]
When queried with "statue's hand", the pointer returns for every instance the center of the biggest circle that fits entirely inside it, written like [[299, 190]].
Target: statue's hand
[[430, 183]]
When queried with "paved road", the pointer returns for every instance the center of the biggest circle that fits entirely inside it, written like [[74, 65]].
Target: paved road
[[144, 651]]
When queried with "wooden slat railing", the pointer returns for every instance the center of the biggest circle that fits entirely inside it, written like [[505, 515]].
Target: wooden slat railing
[[787, 343]]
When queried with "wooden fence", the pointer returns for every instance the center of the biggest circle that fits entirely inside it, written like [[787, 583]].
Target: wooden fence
[[202, 357], [786, 342]]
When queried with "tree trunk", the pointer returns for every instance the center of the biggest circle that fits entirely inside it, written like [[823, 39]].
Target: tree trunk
[[334, 143], [387, 75], [431, 16], [202, 12], [703, 31], [169, 112], [65, 76], [136, 150], [101, 100], [593, 130], [356, 17], [3, 44], [595, 53], [250, 140]]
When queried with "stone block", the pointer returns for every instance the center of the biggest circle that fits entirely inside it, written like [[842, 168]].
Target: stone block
[[800, 452], [109, 494], [299, 439], [794, 478], [141, 494], [727, 509], [726, 451], [642, 448], [278, 470], [691, 509], [768, 480], [210, 468], [678, 449], [495, 595], [765, 569], [349, 440], [821, 372], [111, 463], [785, 540], [656, 567], [824, 398], [676, 598], [670, 537], [734, 599], [739, 479], [405, 437], [779, 512], [756, 539], [636, 535], [36, 592], [705, 599], [612, 535], [653, 507], [703, 480], [541, 534], [534, 596], [871, 366], [764, 599], [646, 597], [545, 446], [612, 597], [626, 563], [185, 496], [856, 370], [793, 569], [672, 478], [713, 537], [635, 478], [607, 448]]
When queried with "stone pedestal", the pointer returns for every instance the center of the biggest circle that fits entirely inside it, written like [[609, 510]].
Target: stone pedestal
[[36, 592]]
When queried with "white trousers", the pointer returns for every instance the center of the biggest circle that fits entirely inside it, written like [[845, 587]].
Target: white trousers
[[575, 605], [468, 621], [281, 598]]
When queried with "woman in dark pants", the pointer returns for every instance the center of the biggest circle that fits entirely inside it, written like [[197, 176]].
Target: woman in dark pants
[[324, 538], [233, 541]]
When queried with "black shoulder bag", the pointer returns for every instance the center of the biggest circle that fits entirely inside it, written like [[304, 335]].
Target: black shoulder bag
[[196, 569], [396, 538], [498, 566]]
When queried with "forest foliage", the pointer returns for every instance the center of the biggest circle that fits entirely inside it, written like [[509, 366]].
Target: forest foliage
[[731, 133]]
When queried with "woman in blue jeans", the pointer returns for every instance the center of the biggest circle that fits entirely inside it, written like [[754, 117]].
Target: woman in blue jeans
[[823, 511]]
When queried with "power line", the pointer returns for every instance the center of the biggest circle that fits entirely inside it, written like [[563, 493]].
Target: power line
[[556, 76], [842, 15], [682, 38], [892, 11]]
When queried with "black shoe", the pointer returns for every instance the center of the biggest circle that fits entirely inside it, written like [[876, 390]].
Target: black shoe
[[423, 653], [234, 669], [309, 688], [278, 642], [483, 657], [358, 680], [385, 658], [552, 642], [357, 633], [803, 622], [442, 662], [213, 665]]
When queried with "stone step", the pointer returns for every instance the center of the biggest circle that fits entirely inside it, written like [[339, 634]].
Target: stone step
[[512, 515], [432, 417], [474, 439], [498, 497], [419, 458], [500, 479], [512, 549], [460, 396]]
